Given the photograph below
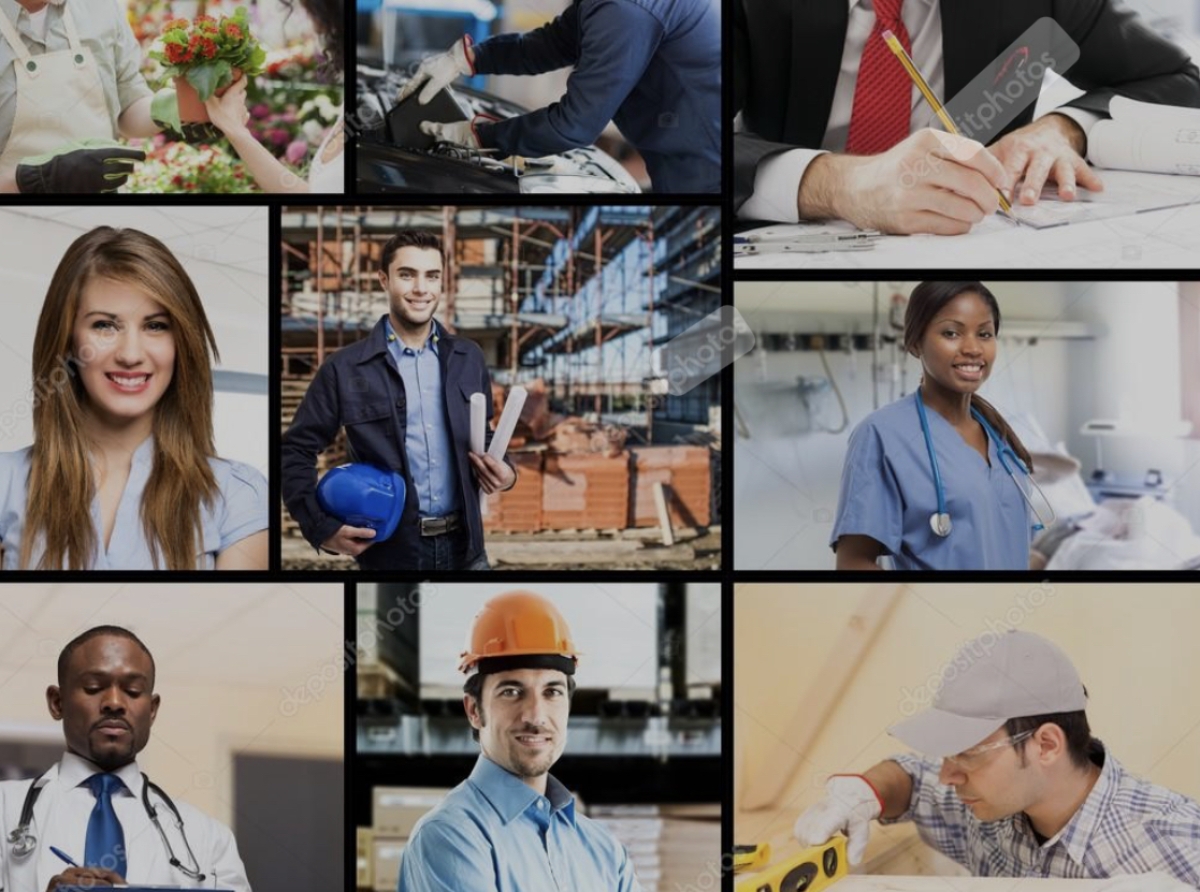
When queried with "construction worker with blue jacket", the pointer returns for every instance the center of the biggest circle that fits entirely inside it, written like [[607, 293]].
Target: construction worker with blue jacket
[[403, 395], [652, 67]]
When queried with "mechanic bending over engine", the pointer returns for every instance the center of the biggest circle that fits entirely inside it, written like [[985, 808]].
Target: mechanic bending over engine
[[653, 67]]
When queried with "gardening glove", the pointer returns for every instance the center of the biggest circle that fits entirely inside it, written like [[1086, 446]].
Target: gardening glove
[[849, 806], [438, 71], [164, 110], [86, 165]]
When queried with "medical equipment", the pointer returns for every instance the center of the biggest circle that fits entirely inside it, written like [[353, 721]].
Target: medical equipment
[[940, 521], [810, 870], [24, 842]]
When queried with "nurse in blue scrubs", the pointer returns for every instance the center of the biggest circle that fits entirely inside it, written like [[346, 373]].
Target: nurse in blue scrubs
[[973, 514]]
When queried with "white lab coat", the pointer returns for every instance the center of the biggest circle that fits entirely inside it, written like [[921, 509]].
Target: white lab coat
[[60, 819]]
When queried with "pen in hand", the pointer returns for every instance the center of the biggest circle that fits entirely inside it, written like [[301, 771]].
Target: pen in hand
[[920, 83], [64, 856]]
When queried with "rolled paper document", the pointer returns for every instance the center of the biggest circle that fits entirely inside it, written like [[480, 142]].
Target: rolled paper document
[[508, 423], [478, 427]]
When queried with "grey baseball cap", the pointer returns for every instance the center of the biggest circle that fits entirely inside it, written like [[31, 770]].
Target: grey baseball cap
[[994, 678]]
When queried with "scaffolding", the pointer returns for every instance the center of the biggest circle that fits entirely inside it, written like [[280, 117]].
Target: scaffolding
[[546, 292]]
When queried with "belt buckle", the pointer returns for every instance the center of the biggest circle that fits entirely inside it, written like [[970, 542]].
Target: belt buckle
[[438, 526]]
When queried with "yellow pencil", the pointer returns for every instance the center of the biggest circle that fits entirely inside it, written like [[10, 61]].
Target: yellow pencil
[[898, 48]]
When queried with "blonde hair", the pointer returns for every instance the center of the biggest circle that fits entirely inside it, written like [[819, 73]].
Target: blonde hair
[[61, 486]]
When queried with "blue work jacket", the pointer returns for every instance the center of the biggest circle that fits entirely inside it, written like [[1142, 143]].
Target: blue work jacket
[[653, 67], [360, 388]]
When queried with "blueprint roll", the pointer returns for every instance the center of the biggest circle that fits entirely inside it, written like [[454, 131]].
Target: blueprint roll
[[478, 435], [1145, 137]]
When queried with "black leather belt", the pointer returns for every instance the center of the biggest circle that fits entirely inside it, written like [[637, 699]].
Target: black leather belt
[[439, 526]]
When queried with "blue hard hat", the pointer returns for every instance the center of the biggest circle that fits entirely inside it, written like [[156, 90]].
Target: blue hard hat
[[363, 496]]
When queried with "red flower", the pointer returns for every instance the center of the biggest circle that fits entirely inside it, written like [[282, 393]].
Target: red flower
[[200, 19], [177, 180], [177, 54], [176, 24], [189, 185], [232, 31], [209, 48]]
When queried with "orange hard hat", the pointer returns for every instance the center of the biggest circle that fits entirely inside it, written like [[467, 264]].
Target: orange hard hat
[[517, 624]]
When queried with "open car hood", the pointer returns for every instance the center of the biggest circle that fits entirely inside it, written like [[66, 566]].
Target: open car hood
[[383, 165]]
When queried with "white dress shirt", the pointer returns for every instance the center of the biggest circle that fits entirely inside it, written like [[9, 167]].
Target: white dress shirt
[[777, 180], [60, 819]]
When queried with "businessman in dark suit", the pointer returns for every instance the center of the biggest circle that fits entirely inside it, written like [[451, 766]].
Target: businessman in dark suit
[[831, 128]]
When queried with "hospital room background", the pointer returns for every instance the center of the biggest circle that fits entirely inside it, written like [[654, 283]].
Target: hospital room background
[[1107, 373]]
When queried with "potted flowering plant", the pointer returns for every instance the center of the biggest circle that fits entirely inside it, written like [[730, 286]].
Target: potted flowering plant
[[205, 56]]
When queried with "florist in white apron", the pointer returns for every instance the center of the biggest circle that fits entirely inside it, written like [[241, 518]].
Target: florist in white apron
[[69, 84]]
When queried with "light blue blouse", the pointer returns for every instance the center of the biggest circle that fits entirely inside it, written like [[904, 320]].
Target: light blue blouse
[[888, 494], [239, 511]]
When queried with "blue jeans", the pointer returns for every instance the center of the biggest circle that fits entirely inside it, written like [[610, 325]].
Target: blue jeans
[[450, 552]]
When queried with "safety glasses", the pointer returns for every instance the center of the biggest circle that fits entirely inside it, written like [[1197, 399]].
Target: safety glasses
[[976, 756]]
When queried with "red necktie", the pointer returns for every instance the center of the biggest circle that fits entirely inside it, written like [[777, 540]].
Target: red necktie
[[883, 94]]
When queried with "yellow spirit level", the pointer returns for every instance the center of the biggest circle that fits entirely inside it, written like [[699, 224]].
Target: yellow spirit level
[[808, 871], [751, 857]]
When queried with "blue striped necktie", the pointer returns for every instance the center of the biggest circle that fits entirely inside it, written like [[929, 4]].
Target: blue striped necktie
[[105, 846]]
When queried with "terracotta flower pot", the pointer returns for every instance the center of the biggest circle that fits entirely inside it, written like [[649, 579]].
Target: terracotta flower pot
[[191, 109]]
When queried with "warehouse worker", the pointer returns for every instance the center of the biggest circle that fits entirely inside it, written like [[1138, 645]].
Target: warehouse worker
[[1012, 783], [653, 67], [96, 806], [69, 83], [403, 395], [512, 826]]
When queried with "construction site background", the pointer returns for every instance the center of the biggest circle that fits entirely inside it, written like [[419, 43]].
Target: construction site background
[[569, 303]]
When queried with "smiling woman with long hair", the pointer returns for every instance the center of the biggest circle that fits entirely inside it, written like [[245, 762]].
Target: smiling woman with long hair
[[123, 473]]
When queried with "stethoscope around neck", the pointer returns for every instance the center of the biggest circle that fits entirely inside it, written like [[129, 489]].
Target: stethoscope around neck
[[940, 521], [24, 843]]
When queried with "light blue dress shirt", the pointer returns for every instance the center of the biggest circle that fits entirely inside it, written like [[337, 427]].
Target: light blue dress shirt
[[494, 833], [240, 510], [427, 443], [888, 494]]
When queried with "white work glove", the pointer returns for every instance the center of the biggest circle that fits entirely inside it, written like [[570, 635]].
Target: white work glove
[[849, 806], [460, 133], [1145, 882], [436, 72]]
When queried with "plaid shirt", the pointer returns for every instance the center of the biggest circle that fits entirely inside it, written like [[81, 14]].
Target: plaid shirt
[[1126, 826]]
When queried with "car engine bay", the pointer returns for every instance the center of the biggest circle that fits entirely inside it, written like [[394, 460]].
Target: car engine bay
[[393, 156]]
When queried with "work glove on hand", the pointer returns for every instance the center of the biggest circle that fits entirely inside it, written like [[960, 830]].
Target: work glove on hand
[[1146, 882], [849, 806], [438, 71], [86, 165], [461, 133], [164, 111]]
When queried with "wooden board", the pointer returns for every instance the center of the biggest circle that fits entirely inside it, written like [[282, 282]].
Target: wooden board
[[965, 884]]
